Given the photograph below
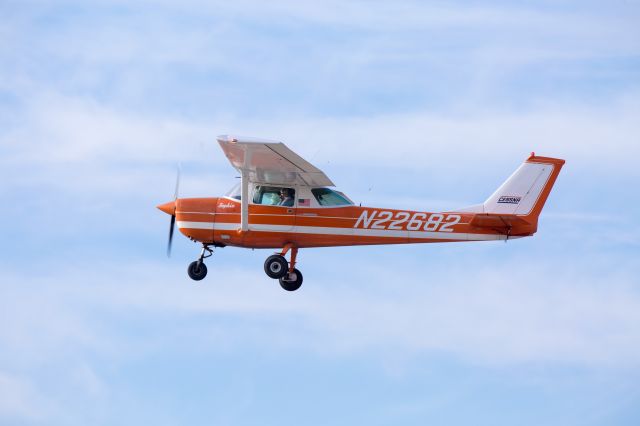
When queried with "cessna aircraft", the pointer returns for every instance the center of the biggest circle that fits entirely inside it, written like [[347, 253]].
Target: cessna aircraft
[[283, 202]]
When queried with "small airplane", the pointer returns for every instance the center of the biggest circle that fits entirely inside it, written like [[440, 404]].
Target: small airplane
[[284, 202]]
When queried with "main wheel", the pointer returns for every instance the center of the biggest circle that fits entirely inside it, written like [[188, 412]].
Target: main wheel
[[276, 266], [291, 282], [197, 270]]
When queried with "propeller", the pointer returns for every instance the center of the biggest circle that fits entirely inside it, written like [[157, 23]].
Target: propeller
[[173, 215]]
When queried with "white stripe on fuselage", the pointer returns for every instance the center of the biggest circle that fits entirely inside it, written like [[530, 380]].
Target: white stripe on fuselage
[[319, 230]]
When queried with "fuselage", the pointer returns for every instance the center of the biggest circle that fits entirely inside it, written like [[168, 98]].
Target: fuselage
[[217, 221]]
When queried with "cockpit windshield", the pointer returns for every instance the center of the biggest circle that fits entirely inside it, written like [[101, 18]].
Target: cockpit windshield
[[329, 197], [235, 192]]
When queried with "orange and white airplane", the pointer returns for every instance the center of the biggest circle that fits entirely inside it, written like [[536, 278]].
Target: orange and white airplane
[[284, 202]]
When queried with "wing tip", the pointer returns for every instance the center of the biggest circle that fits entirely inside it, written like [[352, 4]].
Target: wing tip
[[245, 140]]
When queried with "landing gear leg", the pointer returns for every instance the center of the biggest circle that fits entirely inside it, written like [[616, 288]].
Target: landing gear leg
[[197, 270], [292, 280]]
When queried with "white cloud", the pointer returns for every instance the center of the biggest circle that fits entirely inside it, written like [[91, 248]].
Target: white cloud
[[469, 50], [73, 133], [405, 16], [504, 313]]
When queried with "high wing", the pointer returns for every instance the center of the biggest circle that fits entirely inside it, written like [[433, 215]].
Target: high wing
[[270, 162]]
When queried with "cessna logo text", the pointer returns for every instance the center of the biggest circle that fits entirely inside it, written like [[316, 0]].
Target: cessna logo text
[[509, 199], [399, 221]]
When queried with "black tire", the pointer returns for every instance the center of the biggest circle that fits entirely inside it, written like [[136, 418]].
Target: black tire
[[276, 266], [294, 284], [197, 270]]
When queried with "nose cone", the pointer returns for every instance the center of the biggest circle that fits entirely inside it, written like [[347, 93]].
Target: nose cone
[[169, 208]]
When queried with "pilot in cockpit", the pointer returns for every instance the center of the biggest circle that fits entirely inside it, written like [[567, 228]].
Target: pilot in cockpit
[[286, 198]]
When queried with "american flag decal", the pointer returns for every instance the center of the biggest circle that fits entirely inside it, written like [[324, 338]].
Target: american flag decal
[[304, 202]]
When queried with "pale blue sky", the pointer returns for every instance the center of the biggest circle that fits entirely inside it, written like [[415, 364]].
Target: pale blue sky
[[421, 105]]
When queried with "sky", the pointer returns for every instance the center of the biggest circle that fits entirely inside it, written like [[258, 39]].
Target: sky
[[404, 104]]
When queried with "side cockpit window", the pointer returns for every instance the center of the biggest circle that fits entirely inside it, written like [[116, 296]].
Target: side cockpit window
[[329, 197], [235, 192], [274, 196]]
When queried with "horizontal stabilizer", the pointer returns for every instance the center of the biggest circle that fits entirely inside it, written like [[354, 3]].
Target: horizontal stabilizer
[[508, 224]]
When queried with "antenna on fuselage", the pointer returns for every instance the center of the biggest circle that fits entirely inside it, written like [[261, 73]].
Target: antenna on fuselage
[[369, 191]]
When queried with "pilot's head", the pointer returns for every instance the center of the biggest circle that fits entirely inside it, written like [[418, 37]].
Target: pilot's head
[[284, 193]]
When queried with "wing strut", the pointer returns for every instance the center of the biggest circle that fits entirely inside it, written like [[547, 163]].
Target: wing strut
[[244, 199]]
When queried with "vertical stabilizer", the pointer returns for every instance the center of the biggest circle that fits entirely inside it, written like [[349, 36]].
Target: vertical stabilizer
[[527, 189]]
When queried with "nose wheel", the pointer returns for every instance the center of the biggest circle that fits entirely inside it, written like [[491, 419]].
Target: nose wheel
[[277, 267], [197, 270]]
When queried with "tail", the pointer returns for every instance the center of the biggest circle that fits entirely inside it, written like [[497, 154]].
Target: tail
[[515, 207]]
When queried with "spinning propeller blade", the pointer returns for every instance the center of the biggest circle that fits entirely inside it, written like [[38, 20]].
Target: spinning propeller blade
[[171, 228], [173, 212], [177, 191]]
